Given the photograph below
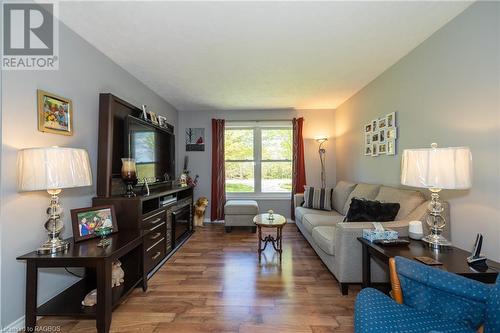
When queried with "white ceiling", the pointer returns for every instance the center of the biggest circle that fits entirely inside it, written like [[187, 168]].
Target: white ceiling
[[254, 55]]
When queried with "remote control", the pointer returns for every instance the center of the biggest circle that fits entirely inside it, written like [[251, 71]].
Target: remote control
[[428, 261], [392, 242]]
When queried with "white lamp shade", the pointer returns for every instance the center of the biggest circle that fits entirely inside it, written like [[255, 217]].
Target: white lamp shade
[[440, 168], [52, 168]]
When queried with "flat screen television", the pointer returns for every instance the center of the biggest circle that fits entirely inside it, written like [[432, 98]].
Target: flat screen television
[[153, 149]]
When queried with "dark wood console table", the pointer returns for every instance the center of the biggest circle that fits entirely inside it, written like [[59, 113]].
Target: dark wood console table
[[454, 260], [126, 245]]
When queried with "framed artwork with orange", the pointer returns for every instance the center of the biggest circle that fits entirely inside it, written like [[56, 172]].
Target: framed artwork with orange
[[55, 114]]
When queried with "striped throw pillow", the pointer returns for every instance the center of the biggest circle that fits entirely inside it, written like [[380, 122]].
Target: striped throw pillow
[[318, 198]]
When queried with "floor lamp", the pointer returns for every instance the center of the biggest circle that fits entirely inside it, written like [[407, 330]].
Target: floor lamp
[[322, 152]]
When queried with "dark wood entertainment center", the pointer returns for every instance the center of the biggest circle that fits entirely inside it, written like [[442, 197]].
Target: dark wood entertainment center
[[166, 212], [151, 226]]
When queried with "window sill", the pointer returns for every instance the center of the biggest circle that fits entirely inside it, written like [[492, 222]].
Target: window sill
[[259, 196]]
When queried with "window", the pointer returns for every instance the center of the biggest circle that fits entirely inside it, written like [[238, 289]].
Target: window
[[258, 157]]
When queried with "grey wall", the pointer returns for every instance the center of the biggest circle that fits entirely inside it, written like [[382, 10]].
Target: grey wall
[[83, 74], [316, 123], [445, 91]]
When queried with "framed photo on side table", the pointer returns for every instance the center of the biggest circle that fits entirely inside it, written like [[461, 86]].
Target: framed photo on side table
[[85, 221]]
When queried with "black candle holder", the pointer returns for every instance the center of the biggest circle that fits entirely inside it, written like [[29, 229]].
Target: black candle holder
[[129, 185]]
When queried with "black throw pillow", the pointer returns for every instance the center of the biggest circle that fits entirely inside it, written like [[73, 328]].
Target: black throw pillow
[[362, 210]]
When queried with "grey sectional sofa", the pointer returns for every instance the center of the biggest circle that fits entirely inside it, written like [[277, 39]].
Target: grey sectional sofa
[[335, 241]]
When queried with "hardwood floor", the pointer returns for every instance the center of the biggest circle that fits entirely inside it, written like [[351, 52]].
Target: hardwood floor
[[215, 284]]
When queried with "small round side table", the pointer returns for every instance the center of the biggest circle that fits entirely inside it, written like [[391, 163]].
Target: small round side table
[[263, 221]]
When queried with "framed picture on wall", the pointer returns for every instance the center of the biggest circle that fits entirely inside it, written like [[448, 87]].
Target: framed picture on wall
[[391, 133], [382, 123], [391, 119], [55, 113], [195, 139], [368, 150], [381, 135], [382, 149], [391, 147], [374, 149]]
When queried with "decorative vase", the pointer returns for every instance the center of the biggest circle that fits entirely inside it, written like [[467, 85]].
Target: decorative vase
[[103, 232]]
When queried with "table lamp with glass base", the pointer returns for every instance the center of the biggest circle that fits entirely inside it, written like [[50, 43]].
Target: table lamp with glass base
[[436, 222], [54, 226], [53, 169], [437, 169]]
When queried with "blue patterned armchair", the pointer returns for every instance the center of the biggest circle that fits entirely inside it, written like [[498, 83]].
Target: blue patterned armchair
[[427, 299]]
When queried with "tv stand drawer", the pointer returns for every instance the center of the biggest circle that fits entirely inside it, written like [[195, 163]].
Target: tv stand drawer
[[155, 235], [154, 253]]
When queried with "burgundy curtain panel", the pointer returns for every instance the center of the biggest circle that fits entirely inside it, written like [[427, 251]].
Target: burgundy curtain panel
[[218, 193], [298, 164]]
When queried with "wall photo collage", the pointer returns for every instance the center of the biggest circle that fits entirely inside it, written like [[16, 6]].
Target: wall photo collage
[[380, 136]]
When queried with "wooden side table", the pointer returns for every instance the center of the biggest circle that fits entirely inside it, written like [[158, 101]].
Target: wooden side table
[[126, 245], [454, 260], [263, 221]]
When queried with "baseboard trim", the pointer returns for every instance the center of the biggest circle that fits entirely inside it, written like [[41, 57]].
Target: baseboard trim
[[15, 326]]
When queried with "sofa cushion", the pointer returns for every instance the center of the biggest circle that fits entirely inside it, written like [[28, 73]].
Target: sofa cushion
[[340, 194], [311, 221], [301, 211], [362, 210], [324, 237], [361, 191], [318, 198], [241, 207], [408, 200]]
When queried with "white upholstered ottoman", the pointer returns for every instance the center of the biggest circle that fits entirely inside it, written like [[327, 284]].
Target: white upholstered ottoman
[[240, 213]]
